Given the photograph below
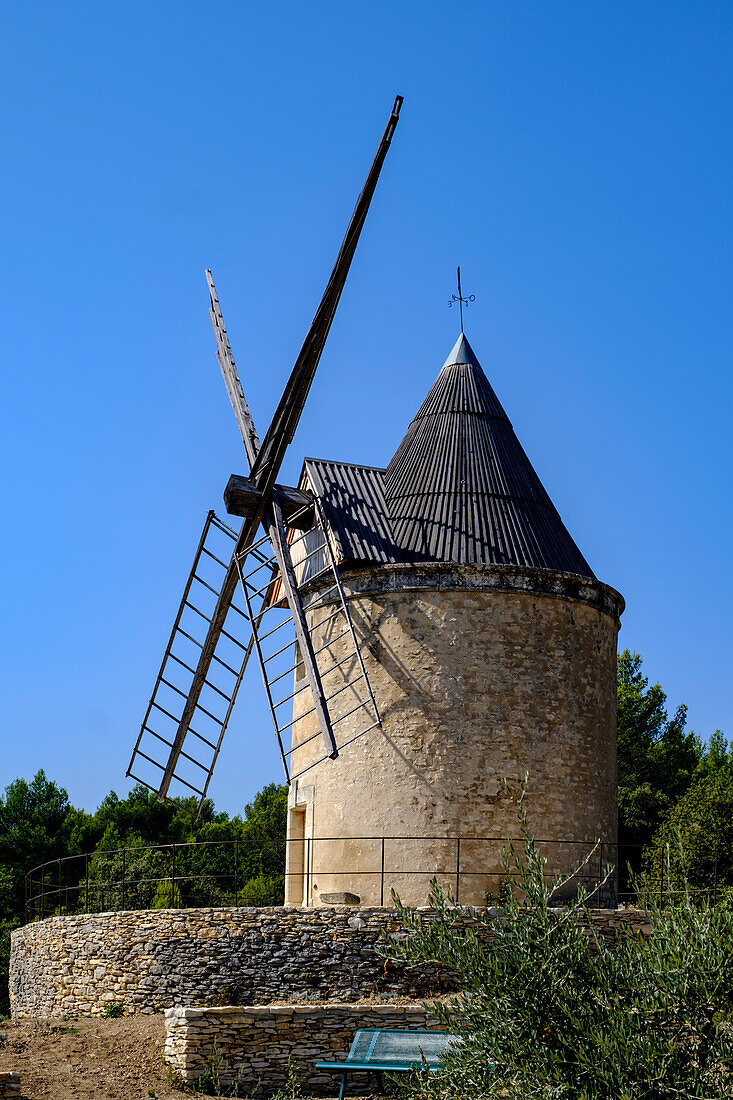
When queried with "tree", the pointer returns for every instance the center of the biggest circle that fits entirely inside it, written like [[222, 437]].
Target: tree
[[656, 757], [700, 825], [548, 1010], [263, 836], [34, 828], [716, 759], [141, 815], [265, 824]]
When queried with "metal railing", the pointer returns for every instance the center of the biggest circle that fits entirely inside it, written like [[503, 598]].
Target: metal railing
[[237, 872]]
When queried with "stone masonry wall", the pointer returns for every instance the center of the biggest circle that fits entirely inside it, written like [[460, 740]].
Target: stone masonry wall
[[151, 960], [480, 674], [10, 1086], [251, 1046]]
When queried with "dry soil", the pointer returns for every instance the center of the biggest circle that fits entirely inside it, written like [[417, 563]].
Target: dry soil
[[85, 1059], [88, 1059]]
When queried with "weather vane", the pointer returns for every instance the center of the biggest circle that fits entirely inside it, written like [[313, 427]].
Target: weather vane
[[460, 299]]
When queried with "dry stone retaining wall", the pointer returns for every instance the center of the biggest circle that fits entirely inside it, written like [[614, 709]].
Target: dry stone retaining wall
[[253, 1047], [150, 960], [9, 1086]]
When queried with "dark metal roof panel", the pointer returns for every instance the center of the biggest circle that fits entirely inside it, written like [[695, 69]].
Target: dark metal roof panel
[[460, 487], [355, 509]]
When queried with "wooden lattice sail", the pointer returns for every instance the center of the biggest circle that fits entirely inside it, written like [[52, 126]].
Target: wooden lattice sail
[[277, 521]]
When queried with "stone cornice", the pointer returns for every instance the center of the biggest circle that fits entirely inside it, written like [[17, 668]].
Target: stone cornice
[[365, 580]]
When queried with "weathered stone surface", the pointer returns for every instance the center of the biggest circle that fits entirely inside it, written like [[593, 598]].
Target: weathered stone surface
[[480, 673], [9, 1085], [150, 960], [254, 1047]]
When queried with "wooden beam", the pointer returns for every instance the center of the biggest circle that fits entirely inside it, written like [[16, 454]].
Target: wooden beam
[[288, 412], [265, 461], [276, 531], [242, 497], [231, 377]]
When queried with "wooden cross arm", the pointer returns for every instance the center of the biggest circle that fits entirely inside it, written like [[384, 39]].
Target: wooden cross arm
[[242, 498]]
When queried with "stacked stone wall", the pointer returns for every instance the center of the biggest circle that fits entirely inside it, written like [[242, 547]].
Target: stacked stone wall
[[255, 1048], [10, 1086], [150, 960], [480, 674]]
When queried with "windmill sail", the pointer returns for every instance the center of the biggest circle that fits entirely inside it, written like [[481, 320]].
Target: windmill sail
[[192, 767], [333, 645], [260, 622], [273, 522], [287, 415], [231, 378], [265, 462]]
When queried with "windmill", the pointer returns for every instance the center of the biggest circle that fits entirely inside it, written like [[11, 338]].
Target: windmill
[[279, 548]]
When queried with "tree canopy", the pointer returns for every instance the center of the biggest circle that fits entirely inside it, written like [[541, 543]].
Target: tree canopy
[[38, 824], [700, 825], [657, 759]]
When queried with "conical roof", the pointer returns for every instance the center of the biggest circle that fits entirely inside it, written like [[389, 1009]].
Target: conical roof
[[461, 489]]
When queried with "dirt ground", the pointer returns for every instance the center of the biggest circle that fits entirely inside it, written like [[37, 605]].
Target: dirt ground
[[88, 1059], [85, 1059]]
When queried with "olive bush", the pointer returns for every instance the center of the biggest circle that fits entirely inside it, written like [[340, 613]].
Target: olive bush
[[549, 1009]]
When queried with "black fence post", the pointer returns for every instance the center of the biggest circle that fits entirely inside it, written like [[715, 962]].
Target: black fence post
[[236, 870], [86, 882], [123, 877], [308, 872], [661, 877], [381, 877], [458, 866], [173, 876]]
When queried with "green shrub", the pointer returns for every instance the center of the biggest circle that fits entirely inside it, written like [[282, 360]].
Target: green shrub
[[294, 1087], [6, 927], [209, 1082], [113, 1010], [551, 1011], [166, 896], [263, 890]]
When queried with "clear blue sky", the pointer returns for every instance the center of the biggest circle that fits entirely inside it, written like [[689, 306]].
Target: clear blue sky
[[575, 159]]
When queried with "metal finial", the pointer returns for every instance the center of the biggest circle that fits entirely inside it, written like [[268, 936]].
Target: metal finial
[[460, 299]]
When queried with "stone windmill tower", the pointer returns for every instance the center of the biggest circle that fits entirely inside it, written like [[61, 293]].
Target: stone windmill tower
[[490, 647], [423, 632]]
